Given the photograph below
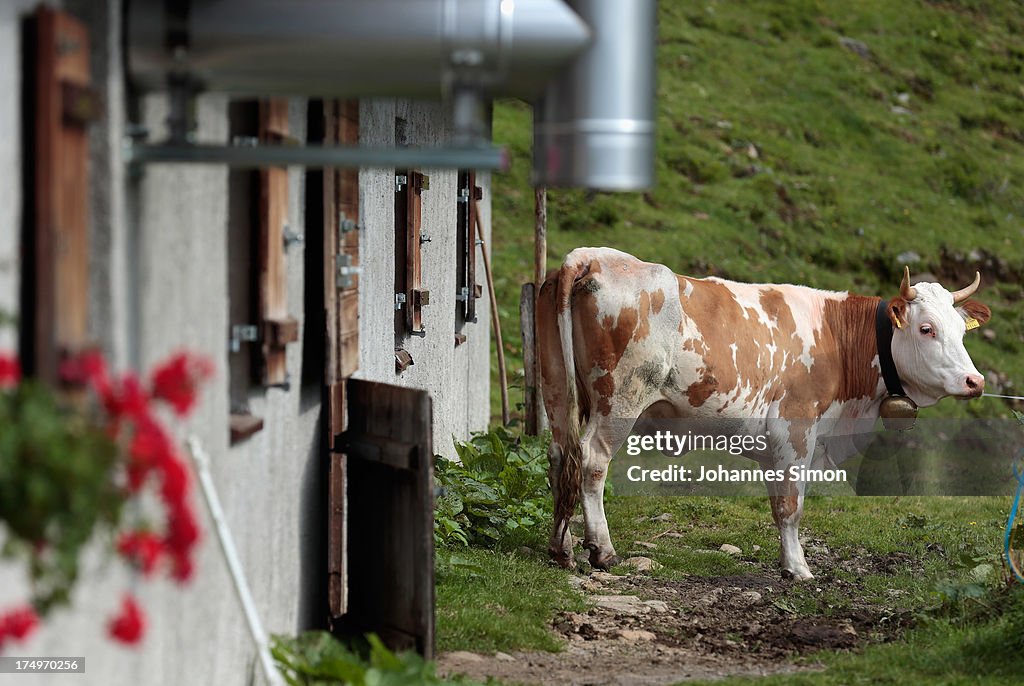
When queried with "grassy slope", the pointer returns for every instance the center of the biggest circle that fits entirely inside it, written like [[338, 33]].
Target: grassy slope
[[841, 184]]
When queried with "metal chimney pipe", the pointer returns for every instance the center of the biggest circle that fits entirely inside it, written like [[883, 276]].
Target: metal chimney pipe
[[594, 126], [353, 48]]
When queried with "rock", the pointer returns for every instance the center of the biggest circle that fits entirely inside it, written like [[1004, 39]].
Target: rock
[[908, 258], [576, 582], [855, 46], [576, 519], [629, 604], [672, 534], [465, 656], [657, 605], [526, 551], [504, 657], [730, 549], [900, 109], [642, 564], [752, 152], [645, 544], [755, 548], [634, 635], [605, 577], [847, 628], [663, 517], [988, 334], [750, 597], [817, 549], [903, 98], [589, 585], [623, 604]]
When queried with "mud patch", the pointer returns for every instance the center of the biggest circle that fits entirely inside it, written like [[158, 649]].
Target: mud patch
[[650, 630]]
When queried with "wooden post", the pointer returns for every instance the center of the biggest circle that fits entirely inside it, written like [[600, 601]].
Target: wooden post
[[530, 389], [540, 236], [540, 268]]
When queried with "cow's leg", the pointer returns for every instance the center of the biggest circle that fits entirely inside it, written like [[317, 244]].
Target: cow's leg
[[560, 544], [787, 508], [601, 440], [787, 501]]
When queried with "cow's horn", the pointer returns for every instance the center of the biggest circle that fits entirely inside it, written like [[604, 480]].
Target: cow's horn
[[965, 293], [907, 292]]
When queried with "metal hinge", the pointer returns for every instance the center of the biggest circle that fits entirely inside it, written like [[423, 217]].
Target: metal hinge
[[463, 294], [344, 271], [243, 333], [401, 180], [399, 300], [463, 195]]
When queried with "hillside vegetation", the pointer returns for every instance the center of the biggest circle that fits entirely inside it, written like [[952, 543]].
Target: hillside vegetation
[[821, 143]]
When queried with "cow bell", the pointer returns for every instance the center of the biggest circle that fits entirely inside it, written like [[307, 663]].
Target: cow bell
[[898, 412]]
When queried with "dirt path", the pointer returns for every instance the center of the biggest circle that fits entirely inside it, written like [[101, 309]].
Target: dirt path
[[644, 630]]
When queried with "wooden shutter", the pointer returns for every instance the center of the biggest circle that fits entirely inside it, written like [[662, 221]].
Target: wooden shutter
[[57, 277], [466, 289], [390, 515], [278, 327], [410, 296]]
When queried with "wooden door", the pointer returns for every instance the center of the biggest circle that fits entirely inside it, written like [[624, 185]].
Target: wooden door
[[390, 522]]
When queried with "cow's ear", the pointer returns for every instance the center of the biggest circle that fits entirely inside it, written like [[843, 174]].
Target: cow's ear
[[972, 310], [898, 312]]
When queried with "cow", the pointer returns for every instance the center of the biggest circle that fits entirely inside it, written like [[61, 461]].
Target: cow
[[621, 340]]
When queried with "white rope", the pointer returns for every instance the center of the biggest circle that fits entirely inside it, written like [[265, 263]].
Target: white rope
[[1008, 397], [227, 547]]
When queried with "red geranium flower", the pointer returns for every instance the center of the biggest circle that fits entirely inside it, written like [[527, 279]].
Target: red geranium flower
[[143, 548], [18, 623], [175, 381], [130, 624], [10, 372]]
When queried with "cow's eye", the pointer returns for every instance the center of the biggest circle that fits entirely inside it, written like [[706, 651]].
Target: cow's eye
[[926, 330]]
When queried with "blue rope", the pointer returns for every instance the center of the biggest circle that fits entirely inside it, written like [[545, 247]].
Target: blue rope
[[1019, 475]]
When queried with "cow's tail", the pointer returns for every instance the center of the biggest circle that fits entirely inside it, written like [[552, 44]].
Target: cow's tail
[[570, 477]]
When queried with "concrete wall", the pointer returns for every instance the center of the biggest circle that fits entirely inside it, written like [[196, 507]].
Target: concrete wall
[[165, 246], [453, 374]]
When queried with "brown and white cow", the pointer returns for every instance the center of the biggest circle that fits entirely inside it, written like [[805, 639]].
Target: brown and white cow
[[624, 339]]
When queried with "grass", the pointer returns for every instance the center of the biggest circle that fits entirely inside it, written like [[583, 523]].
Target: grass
[[781, 158], [491, 601]]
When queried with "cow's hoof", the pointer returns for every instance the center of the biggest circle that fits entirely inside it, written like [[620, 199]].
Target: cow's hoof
[[603, 561], [562, 558], [798, 575]]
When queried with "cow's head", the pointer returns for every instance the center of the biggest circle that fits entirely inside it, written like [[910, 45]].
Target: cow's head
[[927, 344]]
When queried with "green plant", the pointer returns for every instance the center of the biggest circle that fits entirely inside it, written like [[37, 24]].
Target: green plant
[[316, 657], [58, 483], [496, 494], [69, 465]]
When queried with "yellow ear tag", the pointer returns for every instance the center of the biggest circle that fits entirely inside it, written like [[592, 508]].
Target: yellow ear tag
[[972, 323], [899, 324]]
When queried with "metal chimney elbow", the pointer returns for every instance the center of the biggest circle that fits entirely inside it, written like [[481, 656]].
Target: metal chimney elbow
[[594, 126]]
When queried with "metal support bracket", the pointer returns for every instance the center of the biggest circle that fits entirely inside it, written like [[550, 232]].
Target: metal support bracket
[[243, 333]]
